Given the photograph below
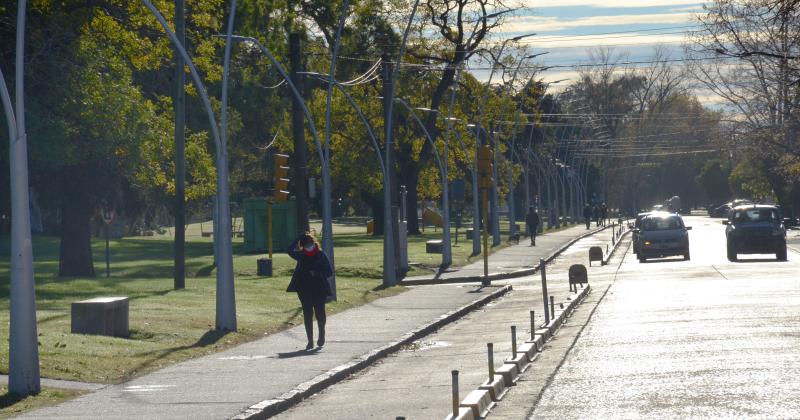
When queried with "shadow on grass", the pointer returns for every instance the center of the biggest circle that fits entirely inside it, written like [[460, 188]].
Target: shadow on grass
[[209, 338], [10, 398]]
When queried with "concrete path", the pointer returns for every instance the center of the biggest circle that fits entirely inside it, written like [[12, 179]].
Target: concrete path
[[416, 383], [275, 371]]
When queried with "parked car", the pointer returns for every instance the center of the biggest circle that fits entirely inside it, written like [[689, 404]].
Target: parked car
[[663, 235], [755, 229]]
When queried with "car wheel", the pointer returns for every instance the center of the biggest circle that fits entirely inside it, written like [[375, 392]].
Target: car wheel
[[687, 256], [781, 254], [642, 259]]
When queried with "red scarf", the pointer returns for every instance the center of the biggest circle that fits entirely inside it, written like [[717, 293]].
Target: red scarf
[[311, 253]]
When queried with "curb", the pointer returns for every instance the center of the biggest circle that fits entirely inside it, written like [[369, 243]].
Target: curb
[[504, 275], [271, 407], [513, 368]]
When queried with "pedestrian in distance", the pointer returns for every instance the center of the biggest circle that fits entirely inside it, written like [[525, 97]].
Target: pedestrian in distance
[[587, 215], [596, 214], [604, 213], [310, 282], [532, 220]]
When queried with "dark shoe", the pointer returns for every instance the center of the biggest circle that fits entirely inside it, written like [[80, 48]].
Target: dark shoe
[[321, 340], [310, 345]]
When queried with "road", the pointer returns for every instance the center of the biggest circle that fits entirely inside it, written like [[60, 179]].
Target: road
[[704, 338]]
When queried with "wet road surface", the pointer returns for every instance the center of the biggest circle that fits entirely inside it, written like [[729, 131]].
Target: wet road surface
[[705, 338]]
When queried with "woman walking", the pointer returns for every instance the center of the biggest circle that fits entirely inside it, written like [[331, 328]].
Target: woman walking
[[310, 281]]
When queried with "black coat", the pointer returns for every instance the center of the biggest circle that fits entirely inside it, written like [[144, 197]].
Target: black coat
[[532, 220], [310, 287]]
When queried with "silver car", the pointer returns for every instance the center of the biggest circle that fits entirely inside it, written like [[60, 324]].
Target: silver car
[[662, 235]]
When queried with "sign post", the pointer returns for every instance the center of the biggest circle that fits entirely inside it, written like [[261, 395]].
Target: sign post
[[108, 218], [485, 165]]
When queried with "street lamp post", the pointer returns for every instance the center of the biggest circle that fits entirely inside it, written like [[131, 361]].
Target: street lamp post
[[223, 247], [23, 363], [447, 258]]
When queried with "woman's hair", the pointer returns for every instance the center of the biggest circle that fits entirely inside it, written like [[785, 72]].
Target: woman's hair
[[309, 237]]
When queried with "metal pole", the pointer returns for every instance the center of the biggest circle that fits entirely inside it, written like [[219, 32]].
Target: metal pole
[[179, 281], [514, 341], [456, 399], [543, 270], [269, 227], [23, 366], [552, 308], [389, 263], [476, 205], [225, 297], [327, 215], [490, 352], [108, 255], [533, 325], [486, 281]]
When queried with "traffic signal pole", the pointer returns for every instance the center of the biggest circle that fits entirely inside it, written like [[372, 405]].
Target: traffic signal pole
[[485, 172]]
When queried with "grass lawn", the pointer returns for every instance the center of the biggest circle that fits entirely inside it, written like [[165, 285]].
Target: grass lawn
[[11, 405], [168, 326]]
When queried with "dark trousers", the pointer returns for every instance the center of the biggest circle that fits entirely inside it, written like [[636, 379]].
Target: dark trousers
[[532, 230], [311, 308]]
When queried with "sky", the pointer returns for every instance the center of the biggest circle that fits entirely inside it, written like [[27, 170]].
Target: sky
[[568, 29]]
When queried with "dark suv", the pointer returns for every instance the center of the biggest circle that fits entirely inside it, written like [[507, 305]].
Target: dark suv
[[755, 229]]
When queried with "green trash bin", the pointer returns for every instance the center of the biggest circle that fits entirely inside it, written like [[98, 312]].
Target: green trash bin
[[284, 224]]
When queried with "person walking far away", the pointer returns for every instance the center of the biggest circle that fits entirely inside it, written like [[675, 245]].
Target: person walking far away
[[310, 281], [604, 213], [532, 220], [587, 214], [596, 214]]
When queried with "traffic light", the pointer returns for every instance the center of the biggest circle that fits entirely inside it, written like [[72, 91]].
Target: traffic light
[[485, 167], [280, 178]]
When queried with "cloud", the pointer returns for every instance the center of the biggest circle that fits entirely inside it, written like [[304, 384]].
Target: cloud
[[539, 24], [542, 4]]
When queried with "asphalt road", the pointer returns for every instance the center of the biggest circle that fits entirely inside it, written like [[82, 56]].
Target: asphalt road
[[705, 338]]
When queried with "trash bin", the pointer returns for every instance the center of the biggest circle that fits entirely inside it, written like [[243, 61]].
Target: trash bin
[[264, 267]]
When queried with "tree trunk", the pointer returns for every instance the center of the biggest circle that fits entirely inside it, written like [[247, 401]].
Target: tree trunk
[[75, 255], [376, 203], [410, 178]]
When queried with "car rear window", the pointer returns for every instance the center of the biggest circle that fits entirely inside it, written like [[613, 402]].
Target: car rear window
[[662, 223], [755, 215]]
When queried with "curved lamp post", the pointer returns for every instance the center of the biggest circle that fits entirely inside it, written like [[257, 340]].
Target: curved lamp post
[[23, 360], [447, 257], [226, 304]]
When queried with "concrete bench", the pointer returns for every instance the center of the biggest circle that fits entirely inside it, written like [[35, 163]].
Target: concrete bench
[[433, 246], [101, 316]]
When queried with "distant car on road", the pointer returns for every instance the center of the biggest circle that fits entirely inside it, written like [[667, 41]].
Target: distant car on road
[[657, 207], [662, 235], [637, 223], [755, 229]]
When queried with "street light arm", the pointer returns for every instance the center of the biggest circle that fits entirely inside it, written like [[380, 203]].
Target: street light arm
[[427, 135], [8, 108]]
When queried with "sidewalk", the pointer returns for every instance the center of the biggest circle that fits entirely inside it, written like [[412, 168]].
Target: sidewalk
[[270, 374], [416, 383], [513, 261]]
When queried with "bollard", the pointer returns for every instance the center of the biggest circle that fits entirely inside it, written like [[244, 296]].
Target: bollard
[[490, 351], [606, 250], [513, 341], [561, 305], [456, 400], [533, 325], [613, 232], [552, 307], [543, 269]]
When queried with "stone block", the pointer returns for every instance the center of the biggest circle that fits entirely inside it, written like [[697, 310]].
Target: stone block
[[101, 316], [529, 349], [497, 388], [509, 372], [433, 246], [464, 413], [479, 401]]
